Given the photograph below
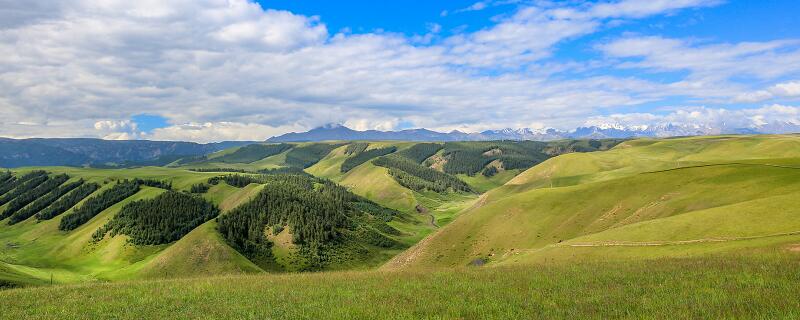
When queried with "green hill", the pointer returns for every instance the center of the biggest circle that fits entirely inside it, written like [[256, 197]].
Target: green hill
[[641, 199], [642, 192]]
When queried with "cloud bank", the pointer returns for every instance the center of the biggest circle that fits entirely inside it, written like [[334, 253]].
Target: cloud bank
[[232, 70]]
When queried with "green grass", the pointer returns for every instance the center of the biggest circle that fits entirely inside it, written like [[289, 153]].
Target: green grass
[[483, 184], [763, 287], [629, 194]]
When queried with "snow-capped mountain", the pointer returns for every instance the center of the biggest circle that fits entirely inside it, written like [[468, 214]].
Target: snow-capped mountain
[[597, 131]]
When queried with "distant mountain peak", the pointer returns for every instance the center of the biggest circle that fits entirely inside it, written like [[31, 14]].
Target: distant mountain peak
[[594, 131]]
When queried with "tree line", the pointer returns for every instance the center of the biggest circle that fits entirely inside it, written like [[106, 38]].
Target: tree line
[[30, 195], [355, 147], [418, 177], [319, 213], [67, 201], [43, 202], [253, 152], [20, 185], [364, 156], [97, 204], [163, 219], [306, 156], [421, 151]]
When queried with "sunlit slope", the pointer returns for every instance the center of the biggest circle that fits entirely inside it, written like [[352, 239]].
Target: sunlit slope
[[203, 251], [644, 155], [642, 191], [33, 251], [70, 256]]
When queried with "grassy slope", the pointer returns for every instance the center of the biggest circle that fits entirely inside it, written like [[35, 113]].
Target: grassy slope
[[708, 288], [203, 251], [33, 251], [42, 249], [609, 190]]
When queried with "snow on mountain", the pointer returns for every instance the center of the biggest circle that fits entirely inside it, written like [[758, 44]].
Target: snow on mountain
[[596, 131]]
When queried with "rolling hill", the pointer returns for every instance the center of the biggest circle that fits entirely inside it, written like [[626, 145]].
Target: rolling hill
[[415, 221], [396, 206], [684, 196]]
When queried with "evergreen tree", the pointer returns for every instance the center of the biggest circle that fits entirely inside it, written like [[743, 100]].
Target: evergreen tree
[[365, 156], [67, 201], [163, 219], [43, 202], [97, 204]]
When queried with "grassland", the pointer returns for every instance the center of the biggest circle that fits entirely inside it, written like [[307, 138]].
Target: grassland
[[651, 192], [763, 287], [701, 227]]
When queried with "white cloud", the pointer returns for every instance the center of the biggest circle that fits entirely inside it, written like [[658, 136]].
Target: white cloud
[[763, 60], [372, 124], [781, 90], [229, 69], [787, 89], [715, 120], [644, 8], [219, 131]]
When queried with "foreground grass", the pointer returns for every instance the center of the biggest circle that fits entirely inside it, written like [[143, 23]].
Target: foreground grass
[[721, 287]]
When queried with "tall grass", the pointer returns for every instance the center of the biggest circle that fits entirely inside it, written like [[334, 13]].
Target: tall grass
[[710, 288]]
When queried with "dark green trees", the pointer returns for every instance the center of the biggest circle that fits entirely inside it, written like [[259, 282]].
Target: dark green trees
[[199, 188], [18, 186], [421, 151], [417, 177], [321, 215], [67, 201], [29, 192], [95, 205], [364, 156], [163, 219], [43, 202], [253, 152], [308, 155]]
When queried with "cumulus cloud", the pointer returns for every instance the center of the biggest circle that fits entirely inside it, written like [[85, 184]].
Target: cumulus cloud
[[219, 131], [714, 119], [230, 69], [789, 90], [763, 60]]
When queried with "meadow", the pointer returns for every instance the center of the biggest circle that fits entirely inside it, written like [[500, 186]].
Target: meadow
[[699, 227], [744, 287]]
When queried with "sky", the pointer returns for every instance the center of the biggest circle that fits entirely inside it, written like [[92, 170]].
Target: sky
[[215, 70]]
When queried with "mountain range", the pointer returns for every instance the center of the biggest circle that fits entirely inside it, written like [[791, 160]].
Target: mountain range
[[98, 152], [612, 130]]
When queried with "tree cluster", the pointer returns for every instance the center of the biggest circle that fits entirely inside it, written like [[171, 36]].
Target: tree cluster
[[253, 152], [163, 219], [418, 177], [237, 180], [67, 201], [365, 156], [5, 176], [319, 212], [489, 171], [166, 185], [220, 170], [199, 188], [421, 151], [97, 204], [306, 156], [472, 157], [32, 194], [43, 202], [355, 147], [17, 186]]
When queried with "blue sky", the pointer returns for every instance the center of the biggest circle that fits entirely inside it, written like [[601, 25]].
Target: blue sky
[[211, 70]]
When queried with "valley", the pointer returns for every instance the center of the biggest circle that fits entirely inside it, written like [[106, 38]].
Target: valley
[[373, 209]]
